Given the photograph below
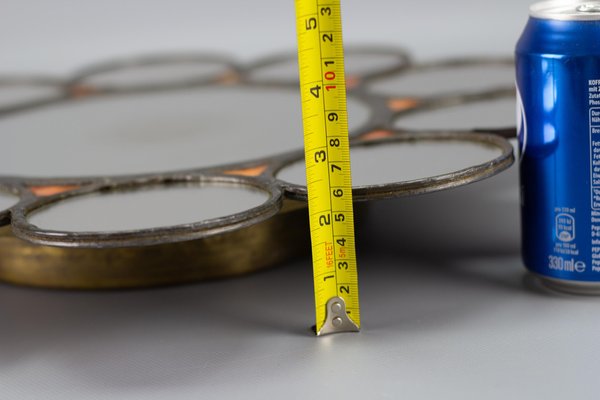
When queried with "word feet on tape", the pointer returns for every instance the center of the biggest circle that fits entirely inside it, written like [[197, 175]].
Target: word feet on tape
[[327, 157]]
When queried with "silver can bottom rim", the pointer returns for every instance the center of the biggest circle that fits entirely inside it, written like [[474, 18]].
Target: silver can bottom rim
[[581, 288]]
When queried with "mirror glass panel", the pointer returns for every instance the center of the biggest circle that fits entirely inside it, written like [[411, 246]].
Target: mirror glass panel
[[146, 207], [154, 132], [392, 162], [498, 113], [446, 80]]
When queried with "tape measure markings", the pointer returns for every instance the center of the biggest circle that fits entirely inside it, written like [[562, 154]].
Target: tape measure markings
[[327, 159]]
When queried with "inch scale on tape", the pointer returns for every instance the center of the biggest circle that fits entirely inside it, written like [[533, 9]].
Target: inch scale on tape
[[327, 155]]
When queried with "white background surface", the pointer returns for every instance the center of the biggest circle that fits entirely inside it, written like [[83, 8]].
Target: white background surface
[[448, 311], [61, 35]]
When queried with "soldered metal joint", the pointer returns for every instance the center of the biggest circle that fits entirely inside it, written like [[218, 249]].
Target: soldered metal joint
[[337, 319]]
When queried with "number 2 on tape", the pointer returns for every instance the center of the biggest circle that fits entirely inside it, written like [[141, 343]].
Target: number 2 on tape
[[327, 158]]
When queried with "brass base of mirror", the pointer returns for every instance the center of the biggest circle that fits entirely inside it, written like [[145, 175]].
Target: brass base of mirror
[[222, 256]]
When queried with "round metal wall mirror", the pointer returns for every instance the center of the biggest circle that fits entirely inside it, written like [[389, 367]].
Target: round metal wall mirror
[[165, 169]]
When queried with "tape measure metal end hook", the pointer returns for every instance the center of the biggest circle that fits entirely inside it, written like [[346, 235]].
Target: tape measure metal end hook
[[337, 320]]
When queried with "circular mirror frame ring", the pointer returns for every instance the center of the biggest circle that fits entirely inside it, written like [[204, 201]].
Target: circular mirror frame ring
[[5, 214], [450, 64], [33, 81], [146, 237], [429, 184], [403, 58], [79, 85]]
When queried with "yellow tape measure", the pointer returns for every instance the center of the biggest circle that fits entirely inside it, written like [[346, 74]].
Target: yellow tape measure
[[327, 154]]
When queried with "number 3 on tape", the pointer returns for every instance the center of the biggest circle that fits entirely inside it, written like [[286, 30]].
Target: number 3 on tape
[[327, 157]]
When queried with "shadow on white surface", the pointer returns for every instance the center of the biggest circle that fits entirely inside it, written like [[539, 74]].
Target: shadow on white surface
[[442, 289]]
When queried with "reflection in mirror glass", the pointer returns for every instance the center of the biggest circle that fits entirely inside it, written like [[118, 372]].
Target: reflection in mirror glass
[[144, 208], [157, 131], [498, 113], [355, 63], [156, 74], [405, 161], [436, 82]]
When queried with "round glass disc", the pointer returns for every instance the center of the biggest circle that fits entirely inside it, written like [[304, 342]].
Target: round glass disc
[[146, 208], [446, 80], [159, 131], [498, 113]]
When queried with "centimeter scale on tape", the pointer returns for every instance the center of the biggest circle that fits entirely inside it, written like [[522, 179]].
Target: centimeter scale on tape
[[327, 155]]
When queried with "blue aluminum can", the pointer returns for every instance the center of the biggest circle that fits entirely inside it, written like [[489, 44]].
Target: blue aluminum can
[[558, 101]]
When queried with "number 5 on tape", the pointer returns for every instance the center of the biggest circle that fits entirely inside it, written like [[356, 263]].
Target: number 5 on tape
[[327, 157]]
